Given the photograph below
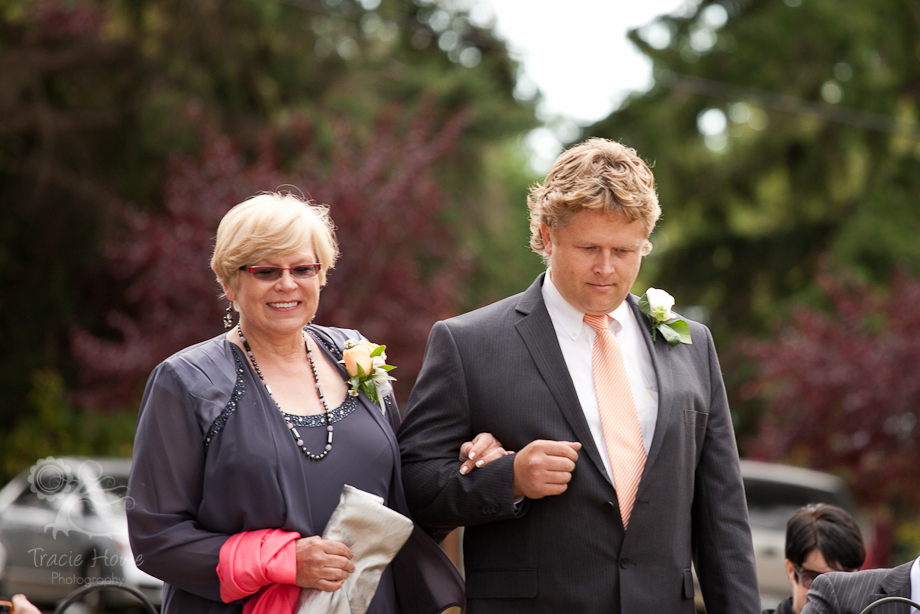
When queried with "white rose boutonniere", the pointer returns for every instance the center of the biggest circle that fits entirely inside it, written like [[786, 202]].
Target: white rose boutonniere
[[656, 304], [366, 365]]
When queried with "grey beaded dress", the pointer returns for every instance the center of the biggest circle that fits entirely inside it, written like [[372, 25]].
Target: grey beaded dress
[[213, 457]]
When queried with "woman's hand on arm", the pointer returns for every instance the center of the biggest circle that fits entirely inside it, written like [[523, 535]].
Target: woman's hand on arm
[[322, 563], [484, 449]]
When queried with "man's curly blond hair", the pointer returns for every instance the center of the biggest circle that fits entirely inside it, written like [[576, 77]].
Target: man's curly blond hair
[[598, 175]]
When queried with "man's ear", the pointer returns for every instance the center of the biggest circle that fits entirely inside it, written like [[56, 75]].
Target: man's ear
[[547, 239], [791, 571]]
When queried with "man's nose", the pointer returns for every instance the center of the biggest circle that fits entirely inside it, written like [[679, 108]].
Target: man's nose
[[605, 264]]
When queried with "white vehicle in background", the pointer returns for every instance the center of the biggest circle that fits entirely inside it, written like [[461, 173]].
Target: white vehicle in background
[[774, 492], [63, 525]]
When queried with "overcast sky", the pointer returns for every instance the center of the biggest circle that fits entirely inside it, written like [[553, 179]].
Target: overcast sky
[[577, 55]]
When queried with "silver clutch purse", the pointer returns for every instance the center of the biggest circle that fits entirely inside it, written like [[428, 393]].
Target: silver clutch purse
[[375, 533]]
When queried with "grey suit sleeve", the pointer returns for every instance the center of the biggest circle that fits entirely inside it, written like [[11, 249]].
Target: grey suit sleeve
[[437, 422], [822, 598], [723, 550]]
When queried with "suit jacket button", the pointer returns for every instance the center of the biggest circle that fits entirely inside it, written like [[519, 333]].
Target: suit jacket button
[[625, 563], [610, 505]]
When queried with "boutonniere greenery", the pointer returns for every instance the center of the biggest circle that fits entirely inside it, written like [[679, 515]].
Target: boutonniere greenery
[[366, 364], [656, 304]]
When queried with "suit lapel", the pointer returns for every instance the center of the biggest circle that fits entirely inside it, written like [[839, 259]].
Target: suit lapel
[[536, 329], [896, 583], [660, 360]]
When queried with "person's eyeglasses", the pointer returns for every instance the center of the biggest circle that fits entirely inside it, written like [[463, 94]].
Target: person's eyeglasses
[[805, 576], [273, 273]]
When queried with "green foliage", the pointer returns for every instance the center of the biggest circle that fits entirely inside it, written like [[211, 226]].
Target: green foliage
[[676, 332], [496, 224], [98, 95], [54, 428], [819, 155], [797, 171], [907, 541]]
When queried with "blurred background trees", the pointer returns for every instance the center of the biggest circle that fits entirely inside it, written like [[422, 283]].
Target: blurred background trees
[[787, 151], [843, 390], [130, 128], [784, 136], [399, 272], [780, 131]]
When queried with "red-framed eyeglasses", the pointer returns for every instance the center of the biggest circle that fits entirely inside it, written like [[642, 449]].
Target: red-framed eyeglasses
[[273, 273]]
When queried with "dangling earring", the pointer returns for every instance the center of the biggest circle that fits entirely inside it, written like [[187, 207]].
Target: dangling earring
[[228, 317], [311, 320]]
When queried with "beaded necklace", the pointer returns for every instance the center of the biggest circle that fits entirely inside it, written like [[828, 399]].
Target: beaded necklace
[[297, 438]]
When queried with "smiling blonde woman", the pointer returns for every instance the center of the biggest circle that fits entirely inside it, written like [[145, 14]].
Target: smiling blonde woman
[[245, 441]]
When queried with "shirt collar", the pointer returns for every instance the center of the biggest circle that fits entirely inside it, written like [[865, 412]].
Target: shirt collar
[[620, 315], [570, 317]]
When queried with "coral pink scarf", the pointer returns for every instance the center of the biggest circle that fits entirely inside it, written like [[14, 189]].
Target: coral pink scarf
[[263, 562]]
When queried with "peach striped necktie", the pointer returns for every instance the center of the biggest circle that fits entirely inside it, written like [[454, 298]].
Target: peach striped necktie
[[619, 419]]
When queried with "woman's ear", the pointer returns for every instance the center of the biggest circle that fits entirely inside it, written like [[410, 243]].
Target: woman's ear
[[229, 291]]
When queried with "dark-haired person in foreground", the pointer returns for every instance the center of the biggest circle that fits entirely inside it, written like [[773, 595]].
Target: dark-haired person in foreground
[[820, 538]]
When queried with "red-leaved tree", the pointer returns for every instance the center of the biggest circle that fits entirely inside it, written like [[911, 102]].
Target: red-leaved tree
[[842, 389], [400, 265]]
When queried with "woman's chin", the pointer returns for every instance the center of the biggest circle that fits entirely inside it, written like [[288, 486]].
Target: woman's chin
[[281, 324]]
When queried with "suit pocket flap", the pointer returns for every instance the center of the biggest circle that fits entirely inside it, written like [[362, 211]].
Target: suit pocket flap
[[696, 418], [688, 584], [501, 583]]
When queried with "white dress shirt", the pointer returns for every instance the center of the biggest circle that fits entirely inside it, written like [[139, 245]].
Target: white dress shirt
[[915, 584], [576, 338]]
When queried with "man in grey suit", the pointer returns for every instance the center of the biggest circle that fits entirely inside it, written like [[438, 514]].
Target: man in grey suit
[[626, 467], [851, 593]]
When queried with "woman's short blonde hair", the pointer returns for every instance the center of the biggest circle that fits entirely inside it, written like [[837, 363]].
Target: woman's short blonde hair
[[599, 175], [271, 225]]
